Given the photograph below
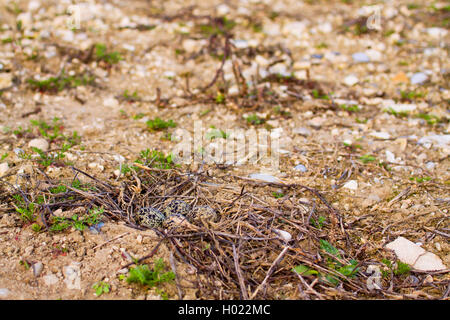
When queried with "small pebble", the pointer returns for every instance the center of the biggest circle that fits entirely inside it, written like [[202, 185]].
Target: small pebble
[[4, 292], [39, 143], [37, 268], [350, 80], [3, 168], [265, 177], [351, 185], [300, 168], [360, 57], [418, 78]]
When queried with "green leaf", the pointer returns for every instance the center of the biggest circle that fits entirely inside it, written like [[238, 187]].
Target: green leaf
[[304, 270], [328, 247]]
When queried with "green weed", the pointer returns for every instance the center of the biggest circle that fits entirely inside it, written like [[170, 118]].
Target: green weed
[[158, 124]]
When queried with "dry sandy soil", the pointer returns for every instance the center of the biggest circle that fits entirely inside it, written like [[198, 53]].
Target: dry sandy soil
[[363, 110]]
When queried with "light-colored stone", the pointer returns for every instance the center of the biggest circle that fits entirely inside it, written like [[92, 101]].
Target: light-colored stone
[[111, 102], [72, 276], [351, 80], [265, 177], [402, 107], [4, 293], [39, 143], [351, 185], [5, 80], [3, 168], [414, 255], [284, 235], [302, 131], [380, 135], [50, 279], [37, 268]]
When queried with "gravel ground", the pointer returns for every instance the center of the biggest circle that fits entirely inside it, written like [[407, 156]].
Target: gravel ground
[[357, 97]]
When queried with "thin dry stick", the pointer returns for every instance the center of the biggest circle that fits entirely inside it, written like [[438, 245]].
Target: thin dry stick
[[239, 274], [110, 240], [309, 289], [269, 273], [174, 270]]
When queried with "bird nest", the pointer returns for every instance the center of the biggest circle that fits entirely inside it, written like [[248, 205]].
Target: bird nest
[[266, 238]]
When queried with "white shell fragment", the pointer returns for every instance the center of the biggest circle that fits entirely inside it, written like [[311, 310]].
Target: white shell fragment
[[417, 257]]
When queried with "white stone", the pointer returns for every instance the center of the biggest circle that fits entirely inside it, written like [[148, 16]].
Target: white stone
[[284, 235], [33, 5], [222, 9], [374, 55], [50, 279], [317, 122], [374, 280], [72, 276], [418, 78], [37, 268], [430, 165], [5, 80], [351, 185], [39, 143], [265, 177], [380, 135], [360, 57], [436, 32], [4, 292], [442, 141], [351, 80], [325, 27], [111, 102], [412, 254], [302, 131], [3, 168], [402, 107]]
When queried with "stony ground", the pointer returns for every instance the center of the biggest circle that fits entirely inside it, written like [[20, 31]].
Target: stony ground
[[359, 99]]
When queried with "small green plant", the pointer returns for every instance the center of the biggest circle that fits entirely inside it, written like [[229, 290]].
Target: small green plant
[[220, 98], [58, 189], [131, 97], [101, 287], [205, 112], [138, 116], [411, 95], [349, 108], [398, 114], [26, 210], [143, 275], [158, 124], [103, 55], [278, 195], [322, 45], [7, 40], [279, 111], [35, 227], [254, 119], [362, 121], [319, 222], [397, 269], [4, 156], [222, 26], [155, 159], [319, 95], [431, 119], [420, 180], [25, 263], [56, 84], [348, 270], [216, 133], [79, 223], [367, 158], [402, 268]]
